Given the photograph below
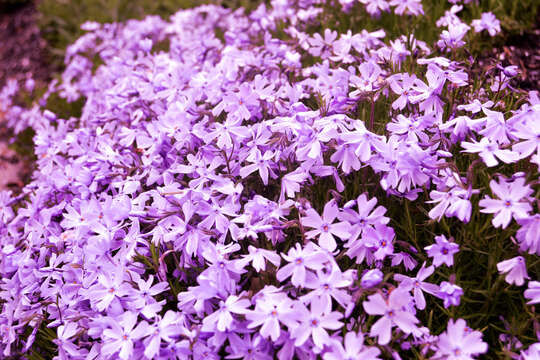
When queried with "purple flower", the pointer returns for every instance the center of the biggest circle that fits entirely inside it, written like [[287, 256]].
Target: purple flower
[[368, 215], [452, 38], [515, 270], [315, 324], [342, 48], [476, 106], [427, 95], [527, 234], [163, 329], [459, 342], [401, 84], [512, 201], [122, 334], [328, 285], [460, 127], [394, 311], [312, 146], [257, 257], [417, 284], [223, 271], [201, 350], [401, 257], [108, 290], [290, 183], [488, 150], [324, 227], [533, 292], [450, 293], [300, 260], [270, 312], [229, 133], [250, 347], [532, 353], [488, 22], [410, 128], [238, 104], [222, 319], [374, 7], [450, 16], [66, 348], [363, 141], [261, 163], [379, 241], [371, 278], [367, 81], [442, 251], [346, 158], [145, 296], [322, 47], [496, 128], [530, 134], [408, 7], [454, 202], [353, 348]]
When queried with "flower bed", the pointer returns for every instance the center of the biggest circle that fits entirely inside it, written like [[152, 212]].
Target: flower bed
[[238, 186]]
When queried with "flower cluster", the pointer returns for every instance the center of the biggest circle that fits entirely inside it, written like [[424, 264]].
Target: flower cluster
[[181, 215]]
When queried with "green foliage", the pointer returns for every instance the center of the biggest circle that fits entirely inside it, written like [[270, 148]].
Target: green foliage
[[64, 109]]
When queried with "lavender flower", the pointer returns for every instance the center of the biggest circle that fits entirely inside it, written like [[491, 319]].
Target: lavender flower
[[450, 293], [512, 202], [371, 278], [527, 234], [488, 150], [121, 335], [533, 292], [354, 349], [300, 260], [442, 251], [315, 325], [488, 22], [324, 227], [417, 285], [460, 342], [515, 269], [394, 313]]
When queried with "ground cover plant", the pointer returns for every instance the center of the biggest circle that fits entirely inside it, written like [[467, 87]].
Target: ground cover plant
[[249, 185]]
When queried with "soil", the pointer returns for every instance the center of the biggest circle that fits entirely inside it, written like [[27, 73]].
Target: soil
[[521, 50], [524, 52], [23, 55]]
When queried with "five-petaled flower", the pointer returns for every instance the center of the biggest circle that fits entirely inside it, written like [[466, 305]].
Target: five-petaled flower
[[512, 202], [394, 311]]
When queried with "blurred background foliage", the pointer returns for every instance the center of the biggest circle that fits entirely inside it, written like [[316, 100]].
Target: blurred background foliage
[[60, 20]]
